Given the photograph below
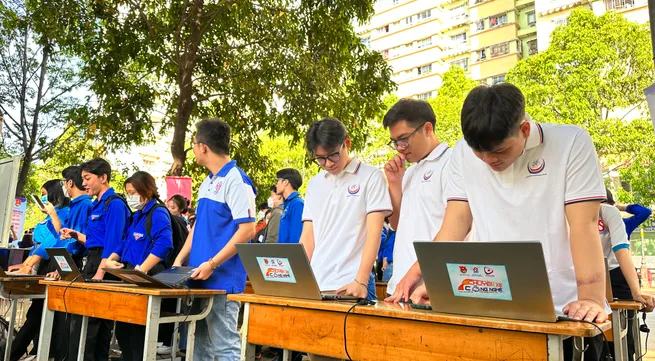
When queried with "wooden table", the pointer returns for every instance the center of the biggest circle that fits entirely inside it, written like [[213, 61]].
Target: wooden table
[[120, 302], [620, 328], [380, 289], [396, 332], [13, 289]]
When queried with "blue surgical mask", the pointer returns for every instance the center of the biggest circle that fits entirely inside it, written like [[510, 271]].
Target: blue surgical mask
[[44, 199]]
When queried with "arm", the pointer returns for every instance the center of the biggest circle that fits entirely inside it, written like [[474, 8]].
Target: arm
[[587, 255], [628, 269], [242, 235], [150, 262], [56, 222], [273, 227], [394, 171], [307, 238], [186, 249], [296, 219], [639, 215]]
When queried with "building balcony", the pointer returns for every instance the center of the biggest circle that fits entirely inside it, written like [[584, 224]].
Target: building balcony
[[545, 7], [527, 32], [455, 20], [624, 4], [452, 50], [521, 4]]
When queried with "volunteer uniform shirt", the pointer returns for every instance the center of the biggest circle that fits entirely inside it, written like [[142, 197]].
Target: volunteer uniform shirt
[[107, 229], [613, 236], [291, 219], [78, 218], [338, 205], [226, 200], [526, 201], [136, 246], [45, 234], [421, 210]]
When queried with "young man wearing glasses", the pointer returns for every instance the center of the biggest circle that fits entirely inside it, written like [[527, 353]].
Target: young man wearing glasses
[[417, 193]]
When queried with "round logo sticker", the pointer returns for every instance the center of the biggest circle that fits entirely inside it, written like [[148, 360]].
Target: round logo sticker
[[428, 174], [536, 166], [353, 189]]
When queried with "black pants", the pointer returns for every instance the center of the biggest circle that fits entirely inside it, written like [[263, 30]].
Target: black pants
[[98, 334], [594, 347], [621, 290], [131, 339]]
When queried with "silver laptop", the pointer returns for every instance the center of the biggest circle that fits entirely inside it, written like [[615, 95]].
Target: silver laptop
[[492, 279], [282, 270]]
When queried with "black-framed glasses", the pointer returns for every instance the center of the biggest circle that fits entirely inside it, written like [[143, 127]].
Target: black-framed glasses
[[332, 157], [403, 142]]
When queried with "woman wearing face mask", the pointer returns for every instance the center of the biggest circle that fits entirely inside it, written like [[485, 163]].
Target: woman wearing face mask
[[141, 251], [46, 233]]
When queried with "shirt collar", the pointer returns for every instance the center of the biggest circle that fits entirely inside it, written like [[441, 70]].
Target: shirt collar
[[351, 168], [437, 152], [536, 136], [107, 193], [291, 197], [149, 205], [80, 198], [226, 168]]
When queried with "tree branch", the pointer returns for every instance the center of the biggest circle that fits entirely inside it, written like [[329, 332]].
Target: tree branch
[[66, 90]]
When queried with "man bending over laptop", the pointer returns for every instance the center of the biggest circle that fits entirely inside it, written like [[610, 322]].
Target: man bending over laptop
[[344, 213], [517, 180], [225, 216]]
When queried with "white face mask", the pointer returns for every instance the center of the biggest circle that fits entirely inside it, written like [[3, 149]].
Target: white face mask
[[63, 187], [271, 203], [261, 215], [134, 201]]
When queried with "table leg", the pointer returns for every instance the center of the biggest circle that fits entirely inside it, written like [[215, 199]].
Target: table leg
[[247, 349], [636, 334], [152, 328], [286, 355], [46, 331], [178, 309], [555, 348], [83, 331], [619, 332], [10, 332], [191, 339]]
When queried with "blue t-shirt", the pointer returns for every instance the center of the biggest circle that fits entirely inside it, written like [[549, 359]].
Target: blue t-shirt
[[45, 235], [291, 219], [387, 242], [136, 246], [639, 215], [78, 218], [224, 201], [107, 229]]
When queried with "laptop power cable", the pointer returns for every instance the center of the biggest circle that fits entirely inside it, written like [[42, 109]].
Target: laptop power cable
[[608, 355], [360, 302]]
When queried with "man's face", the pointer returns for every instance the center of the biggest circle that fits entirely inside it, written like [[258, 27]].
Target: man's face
[[507, 152], [199, 151], [280, 186], [92, 183], [333, 160], [413, 142]]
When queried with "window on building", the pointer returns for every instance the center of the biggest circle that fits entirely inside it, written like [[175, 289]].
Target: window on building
[[458, 11], [462, 63], [498, 79], [458, 39], [619, 4], [532, 18], [479, 25], [497, 20], [482, 54], [423, 43], [532, 47], [423, 16], [478, 2], [425, 69], [409, 20], [395, 2], [425, 96], [148, 163], [385, 53], [366, 41], [499, 49], [560, 21]]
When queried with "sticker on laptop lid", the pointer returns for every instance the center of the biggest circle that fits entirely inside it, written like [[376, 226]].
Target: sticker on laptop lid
[[479, 281], [276, 269], [63, 264]]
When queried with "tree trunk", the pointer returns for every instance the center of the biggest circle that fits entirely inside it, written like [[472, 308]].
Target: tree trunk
[[185, 102]]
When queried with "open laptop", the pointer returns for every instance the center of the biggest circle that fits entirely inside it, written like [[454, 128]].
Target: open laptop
[[67, 268], [174, 277], [492, 279], [282, 270]]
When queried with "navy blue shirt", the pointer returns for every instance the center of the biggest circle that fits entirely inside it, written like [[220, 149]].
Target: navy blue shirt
[[107, 229], [225, 201], [639, 215], [387, 241], [291, 219], [136, 247]]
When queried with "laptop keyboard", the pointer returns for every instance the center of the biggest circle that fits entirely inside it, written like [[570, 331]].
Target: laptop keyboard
[[172, 279], [91, 280]]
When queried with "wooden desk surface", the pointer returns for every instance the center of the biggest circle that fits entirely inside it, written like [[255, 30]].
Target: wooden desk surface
[[626, 305], [133, 289], [383, 309], [21, 279]]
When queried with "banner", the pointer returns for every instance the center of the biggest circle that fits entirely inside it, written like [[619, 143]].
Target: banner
[[18, 216], [178, 185]]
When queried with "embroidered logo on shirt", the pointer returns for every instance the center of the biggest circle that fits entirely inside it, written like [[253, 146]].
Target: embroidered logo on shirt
[[536, 166], [137, 235], [218, 187], [427, 175], [353, 189], [94, 217]]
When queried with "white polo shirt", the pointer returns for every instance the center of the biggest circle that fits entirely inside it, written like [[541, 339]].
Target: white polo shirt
[[526, 201], [421, 210], [337, 206], [613, 235]]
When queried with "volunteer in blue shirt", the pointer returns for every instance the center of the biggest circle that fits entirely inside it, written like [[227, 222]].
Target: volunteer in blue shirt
[[45, 234], [225, 217], [385, 253], [141, 251], [639, 214], [289, 181], [106, 226]]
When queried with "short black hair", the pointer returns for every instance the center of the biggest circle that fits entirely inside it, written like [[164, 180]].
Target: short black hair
[[328, 133], [73, 173], [97, 166], [414, 112], [262, 206], [215, 134], [56, 193], [491, 114], [610, 197], [292, 175], [274, 189]]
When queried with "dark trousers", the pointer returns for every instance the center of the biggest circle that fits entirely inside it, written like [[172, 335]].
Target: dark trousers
[[131, 339], [98, 334], [594, 347], [621, 290]]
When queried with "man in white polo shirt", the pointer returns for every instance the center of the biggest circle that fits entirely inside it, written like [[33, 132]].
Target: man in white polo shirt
[[517, 180], [418, 193]]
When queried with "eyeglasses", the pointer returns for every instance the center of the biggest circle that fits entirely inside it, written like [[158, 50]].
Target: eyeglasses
[[332, 157], [192, 143], [403, 142]]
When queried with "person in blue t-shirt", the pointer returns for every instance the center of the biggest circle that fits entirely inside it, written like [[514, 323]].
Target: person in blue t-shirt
[[639, 214], [105, 229], [384, 263], [289, 181], [140, 250], [225, 216]]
